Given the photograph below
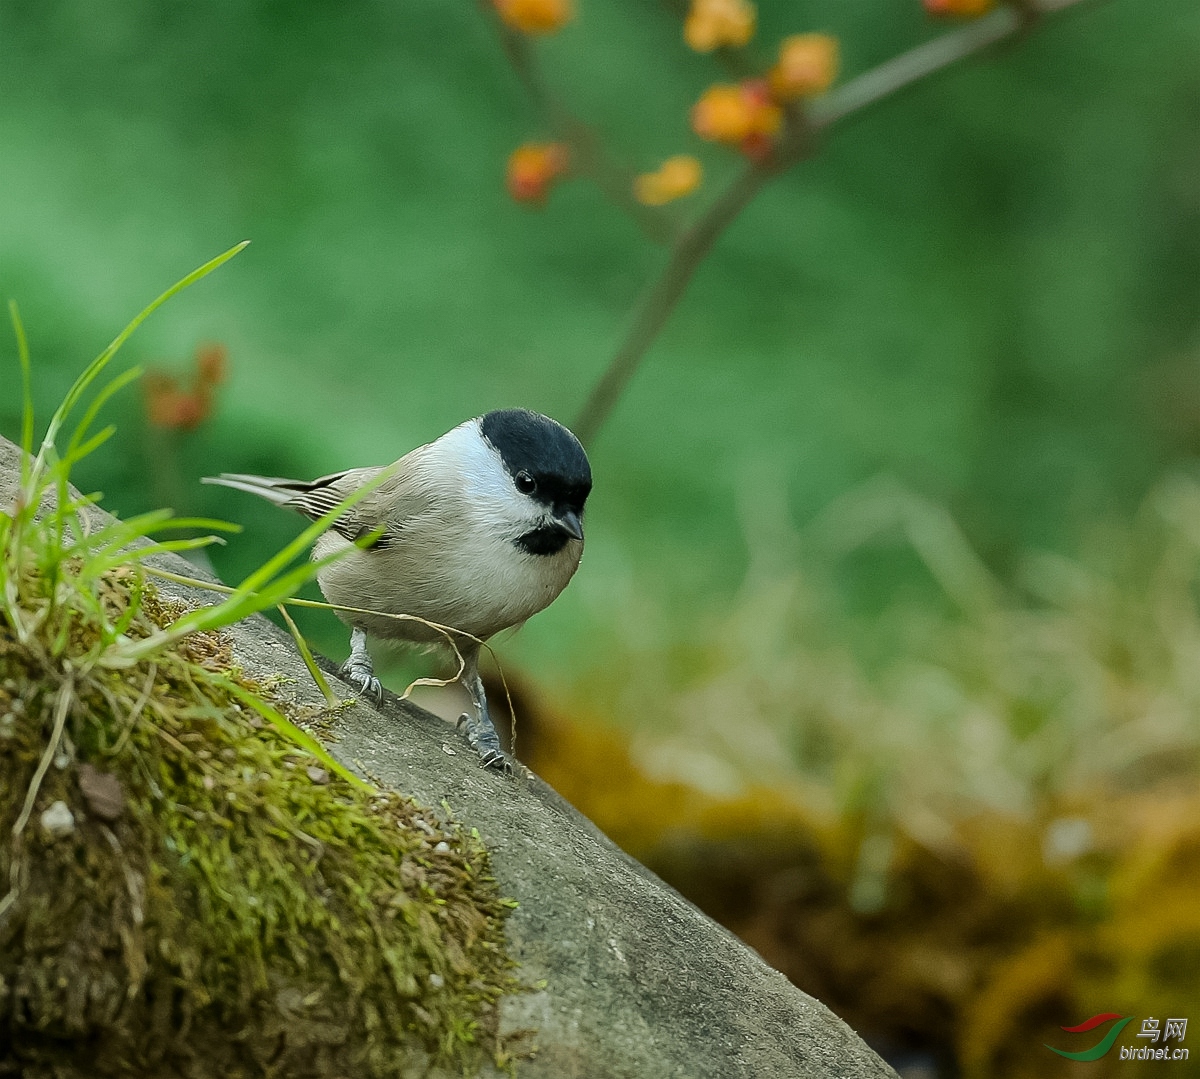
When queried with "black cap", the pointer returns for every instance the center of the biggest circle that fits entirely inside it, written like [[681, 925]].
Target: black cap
[[545, 451]]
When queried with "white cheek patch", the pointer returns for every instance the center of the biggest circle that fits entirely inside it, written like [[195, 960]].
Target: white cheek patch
[[484, 478], [491, 499]]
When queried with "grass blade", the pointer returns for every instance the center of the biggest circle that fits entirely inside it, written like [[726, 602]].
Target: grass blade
[[74, 451], [306, 654], [26, 388], [90, 446], [302, 739], [101, 565], [100, 362]]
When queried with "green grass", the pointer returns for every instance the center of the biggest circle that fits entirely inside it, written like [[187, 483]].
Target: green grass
[[223, 895]]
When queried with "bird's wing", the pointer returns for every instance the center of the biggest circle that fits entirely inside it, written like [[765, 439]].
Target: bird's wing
[[315, 498]]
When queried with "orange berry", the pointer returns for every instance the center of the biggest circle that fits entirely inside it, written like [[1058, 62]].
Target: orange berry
[[742, 116], [677, 176], [191, 410], [533, 167], [212, 364], [808, 64], [535, 16], [160, 392], [711, 24], [721, 114], [170, 407], [757, 146], [968, 9], [757, 92]]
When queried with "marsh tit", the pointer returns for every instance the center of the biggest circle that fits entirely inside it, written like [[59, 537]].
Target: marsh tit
[[476, 531]]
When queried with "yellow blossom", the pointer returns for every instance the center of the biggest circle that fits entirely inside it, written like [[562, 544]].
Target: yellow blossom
[[743, 116], [711, 24], [535, 16], [678, 176], [808, 64]]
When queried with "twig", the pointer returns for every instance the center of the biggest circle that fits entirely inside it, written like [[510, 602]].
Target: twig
[[657, 302], [62, 707], [587, 153], [909, 67]]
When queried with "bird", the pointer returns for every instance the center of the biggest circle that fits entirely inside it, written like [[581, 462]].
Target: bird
[[476, 531]]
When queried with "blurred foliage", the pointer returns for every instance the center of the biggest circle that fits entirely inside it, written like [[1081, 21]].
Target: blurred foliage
[[948, 784], [993, 834], [986, 287]]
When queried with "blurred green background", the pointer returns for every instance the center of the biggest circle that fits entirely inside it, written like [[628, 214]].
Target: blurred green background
[[986, 288], [986, 291]]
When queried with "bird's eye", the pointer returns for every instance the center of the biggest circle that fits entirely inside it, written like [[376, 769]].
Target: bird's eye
[[526, 484]]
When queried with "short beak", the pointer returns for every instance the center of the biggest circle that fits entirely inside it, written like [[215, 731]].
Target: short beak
[[570, 523]]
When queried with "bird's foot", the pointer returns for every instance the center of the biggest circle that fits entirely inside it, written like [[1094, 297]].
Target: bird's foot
[[358, 670], [363, 677], [483, 739]]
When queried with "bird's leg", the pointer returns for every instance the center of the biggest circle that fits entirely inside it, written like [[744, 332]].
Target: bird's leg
[[479, 728], [358, 669]]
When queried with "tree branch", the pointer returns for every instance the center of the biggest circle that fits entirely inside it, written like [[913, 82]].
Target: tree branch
[[927, 59], [659, 300], [587, 154]]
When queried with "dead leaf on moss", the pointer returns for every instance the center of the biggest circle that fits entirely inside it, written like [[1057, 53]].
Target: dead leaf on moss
[[102, 791]]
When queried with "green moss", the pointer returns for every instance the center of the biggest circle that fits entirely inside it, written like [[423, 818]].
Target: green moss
[[224, 905]]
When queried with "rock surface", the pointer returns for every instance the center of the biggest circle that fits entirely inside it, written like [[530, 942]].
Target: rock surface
[[629, 980]]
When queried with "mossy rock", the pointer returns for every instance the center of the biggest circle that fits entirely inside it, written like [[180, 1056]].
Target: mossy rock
[[189, 892], [621, 978]]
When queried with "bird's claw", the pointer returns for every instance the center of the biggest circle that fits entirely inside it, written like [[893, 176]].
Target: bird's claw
[[357, 669], [365, 680], [497, 761], [490, 756]]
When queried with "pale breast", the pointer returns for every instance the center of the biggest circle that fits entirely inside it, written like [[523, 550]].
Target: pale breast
[[479, 588]]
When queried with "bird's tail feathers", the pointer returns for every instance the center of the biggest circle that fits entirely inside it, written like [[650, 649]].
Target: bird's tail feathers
[[272, 488]]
